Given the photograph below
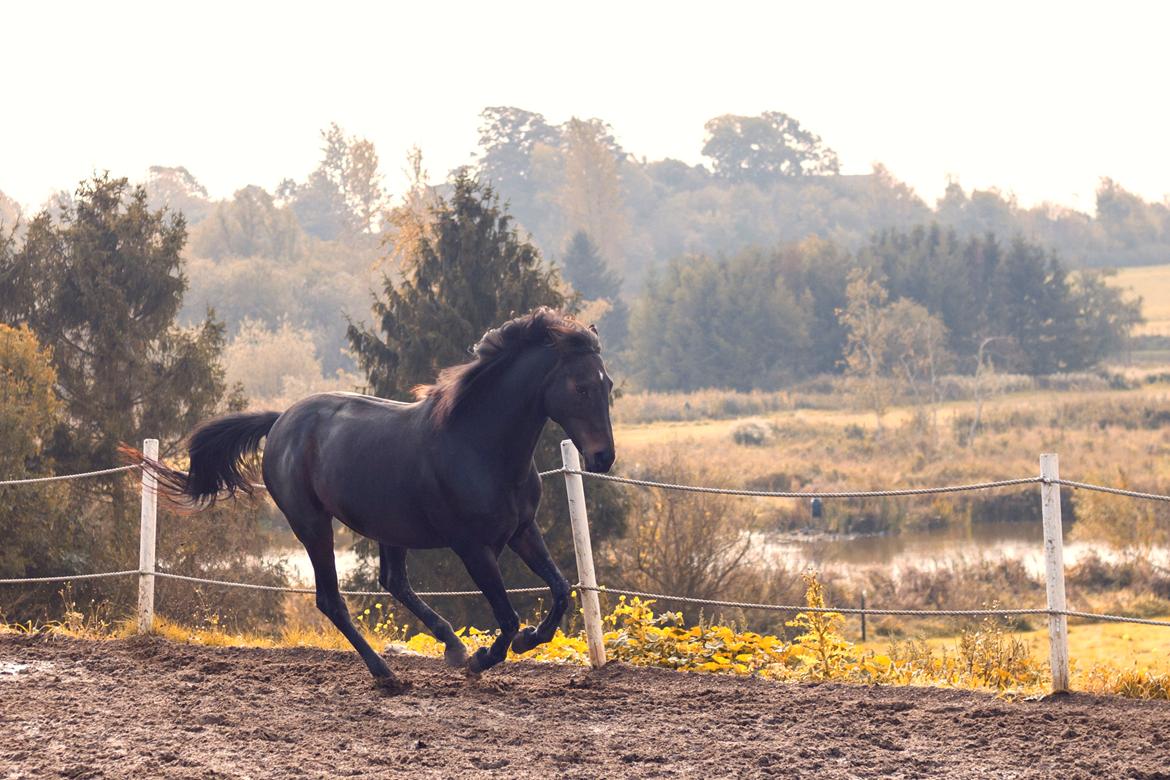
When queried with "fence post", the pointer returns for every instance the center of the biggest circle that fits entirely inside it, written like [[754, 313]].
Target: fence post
[[590, 605], [146, 536], [863, 637], [1054, 570]]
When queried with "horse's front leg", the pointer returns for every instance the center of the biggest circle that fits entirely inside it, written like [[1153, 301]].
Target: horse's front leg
[[483, 566], [529, 545]]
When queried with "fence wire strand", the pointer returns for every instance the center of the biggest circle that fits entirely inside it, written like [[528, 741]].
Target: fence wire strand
[[64, 477], [839, 610], [68, 577], [288, 589], [794, 494], [601, 589], [1111, 490]]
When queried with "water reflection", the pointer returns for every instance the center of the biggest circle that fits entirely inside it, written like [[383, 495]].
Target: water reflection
[[991, 541]]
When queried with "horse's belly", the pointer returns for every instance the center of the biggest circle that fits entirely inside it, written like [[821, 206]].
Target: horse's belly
[[392, 522]]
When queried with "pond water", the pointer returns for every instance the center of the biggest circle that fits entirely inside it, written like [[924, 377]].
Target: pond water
[[300, 569], [987, 541]]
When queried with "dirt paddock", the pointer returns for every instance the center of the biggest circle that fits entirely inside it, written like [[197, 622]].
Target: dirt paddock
[[149, 708]]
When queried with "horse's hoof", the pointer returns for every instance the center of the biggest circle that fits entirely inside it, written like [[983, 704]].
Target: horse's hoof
[[455, 656], [525, 640], [478, 662], [391, 686]]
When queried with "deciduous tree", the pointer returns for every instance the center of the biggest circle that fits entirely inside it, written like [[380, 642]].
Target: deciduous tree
[[764, 148], [591, 195], [36, 533]]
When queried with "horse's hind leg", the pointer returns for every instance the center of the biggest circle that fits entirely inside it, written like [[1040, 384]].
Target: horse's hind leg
[[317, 536], [529, 545], [392, 575]]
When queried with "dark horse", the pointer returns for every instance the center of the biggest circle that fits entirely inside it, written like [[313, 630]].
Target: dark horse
[[453, 469]]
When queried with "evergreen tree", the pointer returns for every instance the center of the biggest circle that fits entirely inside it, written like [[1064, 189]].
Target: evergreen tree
[[732, 322], [592, 278], [587, 272], [470, 273], [101, 286]]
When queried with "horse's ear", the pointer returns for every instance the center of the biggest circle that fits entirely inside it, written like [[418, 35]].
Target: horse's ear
[[593, 328]]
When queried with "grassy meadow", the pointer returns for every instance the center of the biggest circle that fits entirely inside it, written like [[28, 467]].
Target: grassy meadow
[[1152, 283]]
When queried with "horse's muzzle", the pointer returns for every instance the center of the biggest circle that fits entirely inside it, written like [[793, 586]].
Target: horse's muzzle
[[600, 462]]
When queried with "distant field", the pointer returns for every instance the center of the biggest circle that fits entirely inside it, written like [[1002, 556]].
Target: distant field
[[1152, 283]]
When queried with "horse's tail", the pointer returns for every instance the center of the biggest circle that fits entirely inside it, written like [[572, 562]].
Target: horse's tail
[[222, 459]]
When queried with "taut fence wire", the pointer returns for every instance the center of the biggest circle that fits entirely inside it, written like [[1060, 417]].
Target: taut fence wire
[[65, 477], [925, 491], [588, 589]]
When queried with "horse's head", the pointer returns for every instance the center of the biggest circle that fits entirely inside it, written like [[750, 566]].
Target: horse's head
[[576, 396]]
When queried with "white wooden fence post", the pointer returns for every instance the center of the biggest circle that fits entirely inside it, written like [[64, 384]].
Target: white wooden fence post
[[1054, 570], [146, 537], [590, 605]]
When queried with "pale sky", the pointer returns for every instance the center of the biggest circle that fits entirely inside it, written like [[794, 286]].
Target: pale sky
[[1039, 99]]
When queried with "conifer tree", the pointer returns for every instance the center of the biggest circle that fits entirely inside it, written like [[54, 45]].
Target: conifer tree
[[469, 273], [101, 286], [592, 278]]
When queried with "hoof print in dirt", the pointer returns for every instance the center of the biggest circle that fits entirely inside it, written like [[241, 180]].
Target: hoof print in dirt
[[456, 659], [391, 686]]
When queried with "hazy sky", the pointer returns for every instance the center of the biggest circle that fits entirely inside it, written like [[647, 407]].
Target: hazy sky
[[1038, 99]]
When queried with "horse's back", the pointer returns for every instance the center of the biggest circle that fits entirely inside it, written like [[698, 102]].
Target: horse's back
[[361, 458], [328, 424]]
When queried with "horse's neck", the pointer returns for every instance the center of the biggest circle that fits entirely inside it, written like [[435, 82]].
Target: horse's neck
[[504, 416]]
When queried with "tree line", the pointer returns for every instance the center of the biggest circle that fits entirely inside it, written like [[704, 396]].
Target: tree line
[[294, 262], [765, 318]]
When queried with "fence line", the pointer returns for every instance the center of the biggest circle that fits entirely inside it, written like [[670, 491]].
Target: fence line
[[605, 590], [1048, 480]]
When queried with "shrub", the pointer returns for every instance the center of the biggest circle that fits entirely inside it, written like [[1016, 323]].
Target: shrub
[[754, 434]]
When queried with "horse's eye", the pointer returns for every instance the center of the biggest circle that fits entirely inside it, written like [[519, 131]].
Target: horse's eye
[[582, 391]]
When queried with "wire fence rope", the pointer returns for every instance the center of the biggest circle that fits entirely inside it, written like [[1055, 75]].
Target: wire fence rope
[[604, 590], [65, 477]]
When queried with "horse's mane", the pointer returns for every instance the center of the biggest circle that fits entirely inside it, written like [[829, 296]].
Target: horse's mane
[[541, 327]]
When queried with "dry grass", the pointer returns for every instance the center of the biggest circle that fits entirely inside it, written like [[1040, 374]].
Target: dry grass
[[1108, 658], [826, 449], [1152, 283]]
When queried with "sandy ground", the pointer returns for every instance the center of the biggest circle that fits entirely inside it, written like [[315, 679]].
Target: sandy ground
[[149, 708]]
